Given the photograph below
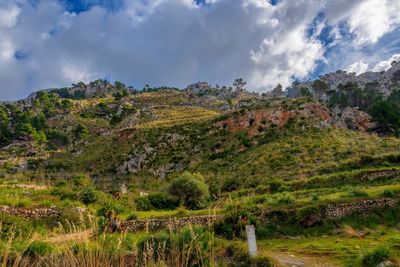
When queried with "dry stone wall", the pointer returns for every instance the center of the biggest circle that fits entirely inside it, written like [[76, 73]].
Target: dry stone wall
[[175, 223], [30, 213], [364, 207]]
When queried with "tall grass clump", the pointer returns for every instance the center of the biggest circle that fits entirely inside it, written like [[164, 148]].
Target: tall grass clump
[[191, 246], [375, 257]]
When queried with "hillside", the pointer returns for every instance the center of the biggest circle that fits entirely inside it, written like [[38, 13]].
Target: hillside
[[75, 162]]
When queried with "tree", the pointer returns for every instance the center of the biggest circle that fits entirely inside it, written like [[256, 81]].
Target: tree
[[88, 196], [40, 137], [395, 96], [81, 131], [277, 91], [66, 104], [387, 116], [304, 91], [119, 85], [239, 84], [189, 188], [320, 85], [5, 133]]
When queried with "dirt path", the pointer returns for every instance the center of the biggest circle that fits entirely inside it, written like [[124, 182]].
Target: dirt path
[[77, 236], [285, 260]]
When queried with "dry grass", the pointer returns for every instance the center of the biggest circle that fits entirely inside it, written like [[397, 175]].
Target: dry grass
[[91, 248], [170, 116]]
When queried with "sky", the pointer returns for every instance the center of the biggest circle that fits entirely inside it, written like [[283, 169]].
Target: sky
[[54, 43]]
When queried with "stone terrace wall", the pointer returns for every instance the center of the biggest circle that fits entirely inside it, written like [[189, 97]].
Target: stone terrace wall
[[30, 213], [174, 223], [337, 211]]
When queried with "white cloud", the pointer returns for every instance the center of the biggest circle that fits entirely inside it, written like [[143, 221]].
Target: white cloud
[[358, 67], [7, 50], [372, 19], [74, 73], [9, 15], [175, 42], [386, 64]]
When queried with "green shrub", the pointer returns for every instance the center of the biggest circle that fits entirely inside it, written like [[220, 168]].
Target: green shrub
[[285, 199], [156, 247], [191, 245], [109, 209], [196, 244], [232, 225], [261, 261], [65, 193], [262, 189], [373, 258], [13, 225], [88, 196], [81, 131], [69, 217], [132, 217], [275, 186], [189, 189], [81, 181], [38, 248], [143, 203], [237, 255], [309, 215], [163, 201], [314, 197], [390, 193], [231, 184]]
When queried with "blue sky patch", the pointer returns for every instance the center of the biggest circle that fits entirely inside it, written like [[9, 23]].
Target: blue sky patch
[[20, 55]]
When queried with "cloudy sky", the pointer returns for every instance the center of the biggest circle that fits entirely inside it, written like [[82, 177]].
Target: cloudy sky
[[54, 43]]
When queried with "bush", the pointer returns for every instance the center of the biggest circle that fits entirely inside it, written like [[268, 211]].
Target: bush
[[65, 193], [232, 225], [375, 257], [196, 244], [189, 189], [154, 247], [13, 226], [109, 210], [237, 255], [261, 261], [81, 180], [231, 184], [191, 246], [387, 115], [275, 186], [143, 203], [162, 201], [88, 196], [390, 193], [81, 131], [38, 248], [132, 217]]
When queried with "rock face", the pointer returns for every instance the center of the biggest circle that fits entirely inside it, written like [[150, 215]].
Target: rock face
[[136, 161], [371, 176], [157, 224], [254, 121], [356, 119], [337, 211], [30, 213], [384, 79]]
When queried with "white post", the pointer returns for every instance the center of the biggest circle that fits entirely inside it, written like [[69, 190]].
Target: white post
[[251, 240]]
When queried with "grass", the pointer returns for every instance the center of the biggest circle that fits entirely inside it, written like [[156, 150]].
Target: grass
[[289, 170], [168, 116], [344, 250]]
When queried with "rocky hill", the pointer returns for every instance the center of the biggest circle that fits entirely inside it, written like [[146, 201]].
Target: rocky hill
[[101, 158], [384, 82]]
